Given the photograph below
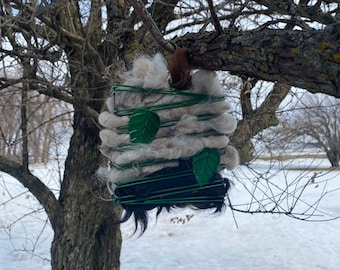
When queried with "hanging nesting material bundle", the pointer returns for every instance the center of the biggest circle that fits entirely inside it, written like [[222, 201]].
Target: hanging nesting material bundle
[[166, 136]]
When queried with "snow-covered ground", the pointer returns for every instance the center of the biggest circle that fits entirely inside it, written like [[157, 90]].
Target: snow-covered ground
[[206, 241]]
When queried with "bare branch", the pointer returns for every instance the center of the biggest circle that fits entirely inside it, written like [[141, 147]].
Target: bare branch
[[214, 17], [150, 25], [315, 123], [57, 92], [314, 13], [255, 121], [35, 186], [24, 130]]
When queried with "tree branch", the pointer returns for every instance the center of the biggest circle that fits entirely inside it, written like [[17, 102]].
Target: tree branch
[[150, 25], [245, 97], [308, 59], [214, 17], [313, 12], [261, 118], [23, 128], [36, 187], [57, 92]]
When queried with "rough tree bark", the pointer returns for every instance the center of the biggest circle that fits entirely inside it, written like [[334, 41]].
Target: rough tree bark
[[334, 158], [86, 233], [86, 228], [255, 121], [308, 59]]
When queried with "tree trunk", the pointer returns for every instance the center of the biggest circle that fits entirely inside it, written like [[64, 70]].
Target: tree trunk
[[88, 236], [334, 158], [255, 121]]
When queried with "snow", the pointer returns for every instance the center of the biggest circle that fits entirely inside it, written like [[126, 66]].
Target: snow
[[206, 241]]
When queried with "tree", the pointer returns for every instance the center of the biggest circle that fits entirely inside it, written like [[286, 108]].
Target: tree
[[290, 43], [315, 122], [45, 124]]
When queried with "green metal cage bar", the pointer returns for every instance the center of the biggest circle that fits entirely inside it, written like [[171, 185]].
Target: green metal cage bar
[[168, 123], [160, 196], [195, 98]]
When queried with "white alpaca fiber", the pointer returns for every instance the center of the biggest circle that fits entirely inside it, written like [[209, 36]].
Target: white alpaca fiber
[[139, 69], [157, 75], [224, 124], [103, 174], [188, 124], [110, 104], [115, 175], [218, 107], [230, 158], [156, 167], [191, 129], [122, 175], [112, 139], [206, 82], [105, 150], [147, 73], [171, 148], [134, 77], [111, 121]]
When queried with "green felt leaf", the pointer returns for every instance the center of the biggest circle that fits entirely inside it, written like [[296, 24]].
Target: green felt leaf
[[205, 164], [143, 126]]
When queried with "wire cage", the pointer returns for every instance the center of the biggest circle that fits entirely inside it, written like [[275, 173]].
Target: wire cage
[[167, 142], [193, 181]]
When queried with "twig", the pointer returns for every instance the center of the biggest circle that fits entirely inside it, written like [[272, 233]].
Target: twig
[[237, 13], [232, 211], [214, 17], [150, 24]]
